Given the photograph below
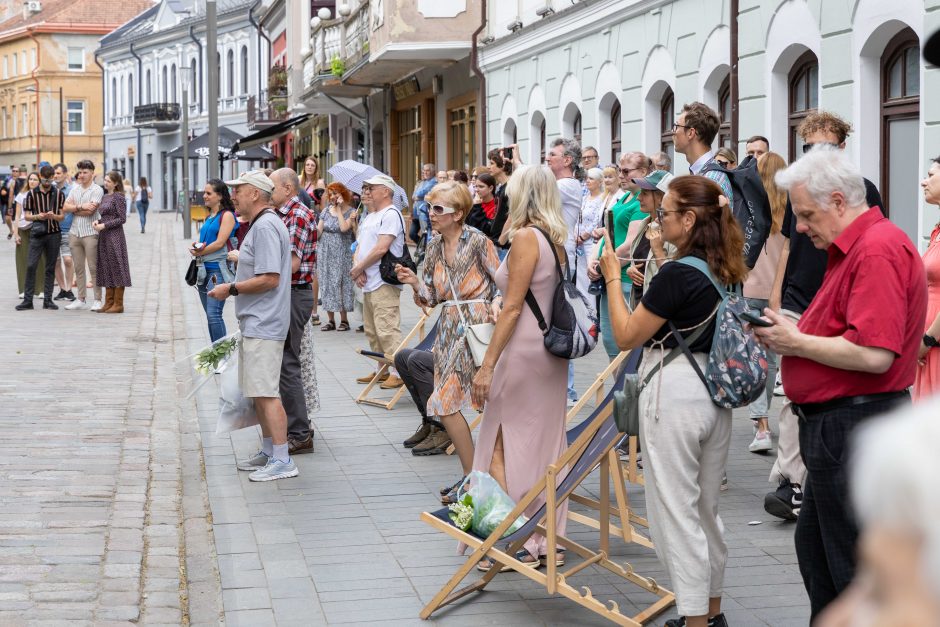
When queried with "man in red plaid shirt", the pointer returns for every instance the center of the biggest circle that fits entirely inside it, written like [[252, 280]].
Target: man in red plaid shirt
[[301, 224]]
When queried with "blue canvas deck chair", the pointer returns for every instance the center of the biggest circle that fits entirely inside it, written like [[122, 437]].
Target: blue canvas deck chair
[[589, 450], [388, 361]]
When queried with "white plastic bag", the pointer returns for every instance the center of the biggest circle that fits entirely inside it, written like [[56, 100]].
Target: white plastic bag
[[235, 411], [490, 504]]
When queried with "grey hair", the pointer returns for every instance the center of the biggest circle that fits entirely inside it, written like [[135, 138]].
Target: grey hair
[[286, 175], [595, 173], [573, 150], [661, 157], [586, 148], [899, 491], [824, 170], [430, 165], [264, 196]]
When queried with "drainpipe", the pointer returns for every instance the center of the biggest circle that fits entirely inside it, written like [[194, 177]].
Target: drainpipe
[[733, 78], [140, 93], [104, 141], [29, 33], [475, 67], [251, 19], [198, 43]]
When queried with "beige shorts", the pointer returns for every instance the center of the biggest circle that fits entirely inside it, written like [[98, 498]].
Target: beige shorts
[[259, 367]]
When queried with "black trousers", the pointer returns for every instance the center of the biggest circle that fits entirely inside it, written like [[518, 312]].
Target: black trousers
[[826, 530], [291, 383], [416, 369], [40, 245]]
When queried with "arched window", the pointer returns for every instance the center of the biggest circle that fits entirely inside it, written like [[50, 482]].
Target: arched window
[[615, 146], [230, 74], [576, 127], [147, 84], [173, 84], [166, 84], [130, 94], [244, 61], [724, 113], [900, 122], [803, 97], [122, 105], [543, 146], [667, 117]]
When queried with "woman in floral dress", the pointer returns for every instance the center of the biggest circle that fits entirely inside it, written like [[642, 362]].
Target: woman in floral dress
[[464, 260], [335, 257], [114, 271]]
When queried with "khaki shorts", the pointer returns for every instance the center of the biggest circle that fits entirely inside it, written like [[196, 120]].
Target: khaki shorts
[[259, 367]]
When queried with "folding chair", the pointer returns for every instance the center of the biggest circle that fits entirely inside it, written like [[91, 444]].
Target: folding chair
[[387, 361], [589, 450]]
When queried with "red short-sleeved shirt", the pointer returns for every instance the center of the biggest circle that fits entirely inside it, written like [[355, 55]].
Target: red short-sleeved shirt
[[874, 294]]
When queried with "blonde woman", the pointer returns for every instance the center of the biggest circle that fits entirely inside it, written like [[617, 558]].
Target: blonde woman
[[521, 384]]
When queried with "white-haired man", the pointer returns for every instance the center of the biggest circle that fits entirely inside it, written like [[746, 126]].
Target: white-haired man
[[850, 357], [262, 307]]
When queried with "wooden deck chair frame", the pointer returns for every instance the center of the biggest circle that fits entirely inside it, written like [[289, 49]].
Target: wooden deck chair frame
[[386, 362], [556, 490]]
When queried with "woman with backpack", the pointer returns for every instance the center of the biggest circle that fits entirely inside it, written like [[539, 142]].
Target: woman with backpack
[[684, 435], [143, 194], [216, 239]]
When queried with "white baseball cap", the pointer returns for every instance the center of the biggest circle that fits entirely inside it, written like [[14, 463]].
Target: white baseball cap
[[255, 178], [382, 179]]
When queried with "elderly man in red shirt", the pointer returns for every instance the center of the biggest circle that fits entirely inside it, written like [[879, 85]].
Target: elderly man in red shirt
[[853, 354]]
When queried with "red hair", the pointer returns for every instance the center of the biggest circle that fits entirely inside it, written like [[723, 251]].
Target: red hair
[[340, 190]]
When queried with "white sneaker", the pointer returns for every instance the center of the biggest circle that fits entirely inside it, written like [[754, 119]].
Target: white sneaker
[[78, 304], [21, 295], [778, 386], [761, 442], [275, 470], [572, 402], [97, 305]]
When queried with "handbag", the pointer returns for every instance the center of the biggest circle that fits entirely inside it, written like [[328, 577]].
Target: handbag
[[389, 261], [477, 336], [192, 273], [627, 399]]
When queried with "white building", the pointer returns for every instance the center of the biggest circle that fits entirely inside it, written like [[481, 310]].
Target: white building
[[616, 72], [146, 64]]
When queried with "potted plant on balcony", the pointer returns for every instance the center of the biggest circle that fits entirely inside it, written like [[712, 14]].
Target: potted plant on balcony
[[337, 67], [277, 82]]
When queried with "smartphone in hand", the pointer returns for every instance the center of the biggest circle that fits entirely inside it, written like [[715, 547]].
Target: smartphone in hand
[[754, 318]]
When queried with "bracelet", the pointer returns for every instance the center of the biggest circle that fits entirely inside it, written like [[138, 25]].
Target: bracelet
[[612, 280]]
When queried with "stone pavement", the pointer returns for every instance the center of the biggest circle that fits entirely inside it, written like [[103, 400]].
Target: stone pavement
[[105, 517]]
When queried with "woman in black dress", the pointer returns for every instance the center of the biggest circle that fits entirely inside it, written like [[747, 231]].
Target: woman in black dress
[[114, 272]]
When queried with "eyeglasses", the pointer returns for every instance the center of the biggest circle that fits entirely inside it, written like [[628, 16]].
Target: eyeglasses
[[661, 213], [366, 188], [676, 125], [440, 210], [627, 171], [723, 163], [808, 147]]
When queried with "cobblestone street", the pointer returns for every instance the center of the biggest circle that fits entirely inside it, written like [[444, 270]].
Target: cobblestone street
[[120, 505]]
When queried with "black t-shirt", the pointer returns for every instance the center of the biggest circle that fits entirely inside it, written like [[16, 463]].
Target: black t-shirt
[[685, 296], [806, 264], [502, 214]]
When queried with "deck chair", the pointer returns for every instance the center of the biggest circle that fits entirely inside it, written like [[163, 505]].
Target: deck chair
[[589, 450], [387, 361]]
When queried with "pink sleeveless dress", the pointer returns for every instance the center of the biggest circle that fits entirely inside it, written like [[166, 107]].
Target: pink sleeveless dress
[[527, 398], [927, 378]]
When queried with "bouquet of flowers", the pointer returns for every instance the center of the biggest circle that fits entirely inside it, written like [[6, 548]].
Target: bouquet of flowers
[[208, 359], [483, 507]]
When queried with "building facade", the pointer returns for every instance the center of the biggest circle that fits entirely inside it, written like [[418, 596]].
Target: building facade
[[46, 47], [615, 73], [148, 62]]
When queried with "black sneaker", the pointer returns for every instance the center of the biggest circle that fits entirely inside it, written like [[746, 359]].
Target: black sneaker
[[48, 304], [718, 620], [70, 295], [62, 295], [26, 304], [786, 501]]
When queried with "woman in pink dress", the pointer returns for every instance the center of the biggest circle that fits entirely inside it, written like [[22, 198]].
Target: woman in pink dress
[[927, 381], [523, 385]]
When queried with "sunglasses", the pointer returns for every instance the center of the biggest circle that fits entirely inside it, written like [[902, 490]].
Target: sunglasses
[[661, 213], [808, 147], [440, 210], [627, 171]]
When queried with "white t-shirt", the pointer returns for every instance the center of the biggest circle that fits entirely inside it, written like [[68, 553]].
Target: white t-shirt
[[386, 221]]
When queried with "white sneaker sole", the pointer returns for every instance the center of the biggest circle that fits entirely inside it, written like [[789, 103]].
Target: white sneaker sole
[[760, 447], [280, 475], [246, 466]]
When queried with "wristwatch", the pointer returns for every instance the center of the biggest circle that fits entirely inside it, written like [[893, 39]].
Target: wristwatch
[[232, 290], [930, 341]]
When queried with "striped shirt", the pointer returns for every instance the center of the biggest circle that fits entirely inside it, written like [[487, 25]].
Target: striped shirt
[[81, 225], [38, 201]]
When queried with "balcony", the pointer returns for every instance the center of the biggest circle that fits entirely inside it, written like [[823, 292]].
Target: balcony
[[340, 47], [163, 116], [267, 112]]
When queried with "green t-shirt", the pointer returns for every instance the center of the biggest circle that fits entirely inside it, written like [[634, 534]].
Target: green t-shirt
[[625, 210]]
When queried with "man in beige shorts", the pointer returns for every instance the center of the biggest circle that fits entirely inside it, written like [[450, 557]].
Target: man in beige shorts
[[262, 307]]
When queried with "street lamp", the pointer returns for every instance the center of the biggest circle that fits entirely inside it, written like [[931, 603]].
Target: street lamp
[[61, 123], [187, 81]]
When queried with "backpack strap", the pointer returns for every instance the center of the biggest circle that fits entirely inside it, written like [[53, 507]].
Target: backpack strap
[[530, 297], [684, 347], [702, 266]]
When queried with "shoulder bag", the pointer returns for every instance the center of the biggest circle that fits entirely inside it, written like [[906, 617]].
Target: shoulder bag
[[389, 261], [478, 336]]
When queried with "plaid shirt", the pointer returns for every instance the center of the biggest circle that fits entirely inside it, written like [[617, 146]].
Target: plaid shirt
[[301, 224]]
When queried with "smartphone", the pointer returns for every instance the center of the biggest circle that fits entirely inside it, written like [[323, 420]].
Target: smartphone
[[508, 152], [610, 226], [754, 318]]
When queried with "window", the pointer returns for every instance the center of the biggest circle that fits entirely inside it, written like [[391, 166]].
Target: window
[[114, 97], [576, 127], [803, 97], [13, 131], [3, 122], [195, 82], [6, 67], [26, 120], [462, 137], [130, 94], [409, 144], [667, 117], [76, 59], [230, 74], [166, 84], [244, 68], [16, 63], [121, 105], [148, 84], [615, 145], [173, 82], [76, 117], [900, 123], [724, 114], [32, 58], [543, 145], [23, 58]]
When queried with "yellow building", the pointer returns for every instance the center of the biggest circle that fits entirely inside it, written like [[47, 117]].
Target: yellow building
[[50, 85]]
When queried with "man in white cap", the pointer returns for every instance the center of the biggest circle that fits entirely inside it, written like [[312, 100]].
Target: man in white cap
[[381, 230], [262, 307]]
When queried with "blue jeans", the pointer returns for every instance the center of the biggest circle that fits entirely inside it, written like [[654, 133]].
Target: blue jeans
[[142, 214], [607, 333], [212, 307]]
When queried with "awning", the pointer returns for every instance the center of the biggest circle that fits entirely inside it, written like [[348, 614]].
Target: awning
[[228, 148], [270, 133]]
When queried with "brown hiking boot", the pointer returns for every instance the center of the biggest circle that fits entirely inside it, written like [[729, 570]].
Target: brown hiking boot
[[423, 432], [434, 444], [392, 383]]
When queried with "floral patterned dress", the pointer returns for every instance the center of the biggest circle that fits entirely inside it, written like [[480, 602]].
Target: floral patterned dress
[[308, 369], [472, 272]]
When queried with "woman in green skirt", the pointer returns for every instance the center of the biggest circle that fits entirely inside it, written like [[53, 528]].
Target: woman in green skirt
[[21, 235]]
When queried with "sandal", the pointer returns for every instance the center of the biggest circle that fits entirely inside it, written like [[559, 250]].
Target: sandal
[[343, 326], [559, 558], [486, 564], [315, 320], [451, 488], [329, 326]]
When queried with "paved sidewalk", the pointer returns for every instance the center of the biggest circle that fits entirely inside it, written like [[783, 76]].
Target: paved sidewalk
[[342, 543]]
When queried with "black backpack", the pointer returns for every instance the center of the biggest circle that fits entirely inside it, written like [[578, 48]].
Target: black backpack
[[751, 206]]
